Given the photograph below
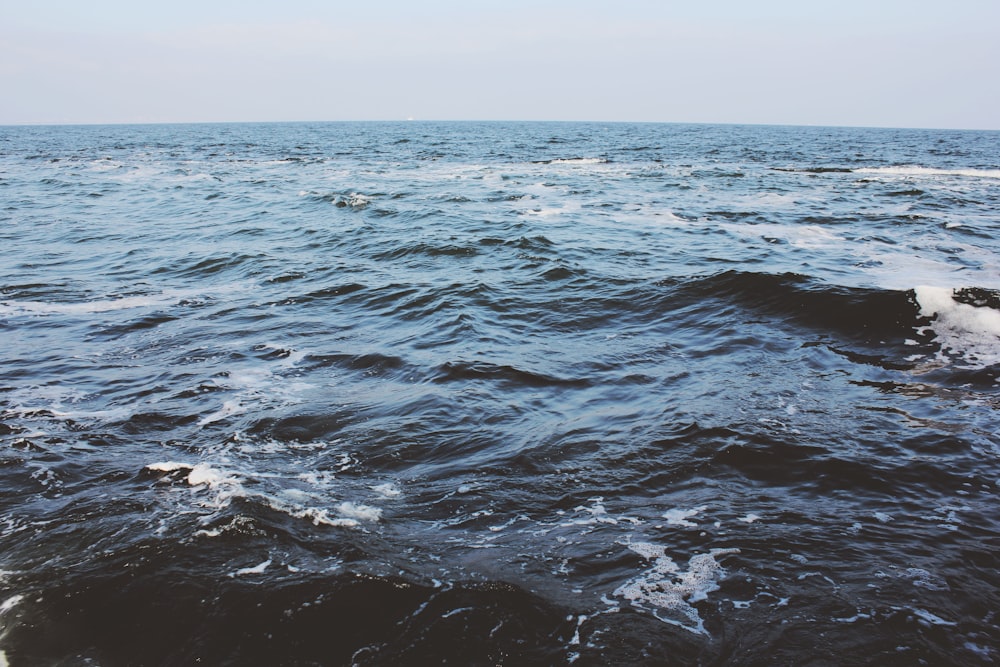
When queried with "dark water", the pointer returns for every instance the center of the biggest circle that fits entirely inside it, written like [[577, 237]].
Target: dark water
[[482, 394]]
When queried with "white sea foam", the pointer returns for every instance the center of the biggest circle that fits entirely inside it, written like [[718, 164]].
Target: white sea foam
[[358, 511], [917, 171], [580, 160], [6, 607], [10, 603], [318, 516], [853, 619], [387, 490], [228, 409], [679, 517], [223, 486], [10, 308], [161, 299], [598, 515], [153, 300], [114, 414], [257, 569], [666, 588], [892, 268], [804, 236], [204, 474], [961, 329], [921, 578], [168, 466], [56, 401], [293, 356], [926, 618]]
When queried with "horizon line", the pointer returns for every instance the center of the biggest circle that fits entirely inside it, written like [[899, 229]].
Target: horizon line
[[471, 120]]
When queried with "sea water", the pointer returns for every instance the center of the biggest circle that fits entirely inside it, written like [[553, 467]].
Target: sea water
[[499, 393]]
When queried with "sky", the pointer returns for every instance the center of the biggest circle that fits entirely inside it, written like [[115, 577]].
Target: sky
[[883, 63]]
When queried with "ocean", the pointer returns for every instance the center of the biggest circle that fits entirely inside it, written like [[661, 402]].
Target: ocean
[[474, 393]]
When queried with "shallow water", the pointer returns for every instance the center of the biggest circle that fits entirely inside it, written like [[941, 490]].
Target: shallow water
[[499, 393]]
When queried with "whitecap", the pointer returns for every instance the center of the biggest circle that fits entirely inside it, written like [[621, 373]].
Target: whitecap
[[152, 300], [10, 603], [204, 474], [226, 486], [9, 308], [961, 329], [358, 511], [580, 160], [916, 171]]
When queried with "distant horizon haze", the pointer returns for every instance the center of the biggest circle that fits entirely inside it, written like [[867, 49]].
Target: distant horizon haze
[[890, 64]]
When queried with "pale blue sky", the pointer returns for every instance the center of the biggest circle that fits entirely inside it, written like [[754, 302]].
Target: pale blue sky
[[891, 63]]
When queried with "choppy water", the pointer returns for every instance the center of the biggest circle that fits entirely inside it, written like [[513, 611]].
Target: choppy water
[[407, 393]]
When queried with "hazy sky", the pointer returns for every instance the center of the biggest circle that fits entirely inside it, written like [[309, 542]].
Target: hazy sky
[[898, 63]]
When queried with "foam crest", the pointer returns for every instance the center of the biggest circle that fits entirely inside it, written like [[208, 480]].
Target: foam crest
[[668, 589], [10, 603], [62, 403], [961, 329], [5, 607], [912, 170], [14, 308], [322, 517], [580, 160], [257, 569], [358, 511], [162, 299], [215, 489]]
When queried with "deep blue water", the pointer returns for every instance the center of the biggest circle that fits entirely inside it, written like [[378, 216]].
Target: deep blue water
[[499, 393]]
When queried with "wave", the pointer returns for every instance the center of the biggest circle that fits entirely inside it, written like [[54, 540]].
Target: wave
[[960, 325], [503, 374], [574, 161], [214, 489], [913, 170], [815, 170], [356, 201], [900, 170], [14, 308], [427, 249], [166, 298], [855, 311]]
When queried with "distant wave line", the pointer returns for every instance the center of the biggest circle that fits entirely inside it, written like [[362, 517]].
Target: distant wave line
[[913, 170]]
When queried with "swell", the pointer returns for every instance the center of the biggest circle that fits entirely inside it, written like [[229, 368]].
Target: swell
[[588, 301], [858, 313], [953, 339], [880, 324]]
